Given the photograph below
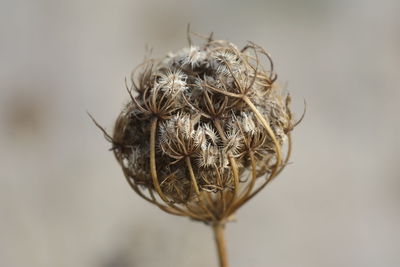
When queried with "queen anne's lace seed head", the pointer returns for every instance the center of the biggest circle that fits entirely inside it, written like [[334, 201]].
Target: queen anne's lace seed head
[[208, 156], [248, 124], [226, 62], [203, 125], [211, 134], [173, 82], [193, 57]]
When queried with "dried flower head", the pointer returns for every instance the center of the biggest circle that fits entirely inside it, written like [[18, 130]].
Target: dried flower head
[[205, 129]]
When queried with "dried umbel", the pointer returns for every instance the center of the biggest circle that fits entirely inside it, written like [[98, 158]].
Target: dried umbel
[[206, 128]]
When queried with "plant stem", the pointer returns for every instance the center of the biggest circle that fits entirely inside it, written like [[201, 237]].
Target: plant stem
[[219, 228]]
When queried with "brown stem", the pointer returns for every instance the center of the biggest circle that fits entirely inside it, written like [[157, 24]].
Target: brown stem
[[267, 127], [196, 188], [153, 172], [153, 168], [219, 228]]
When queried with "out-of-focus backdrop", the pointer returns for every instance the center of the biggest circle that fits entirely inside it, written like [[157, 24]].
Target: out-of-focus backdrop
[[64, 200]]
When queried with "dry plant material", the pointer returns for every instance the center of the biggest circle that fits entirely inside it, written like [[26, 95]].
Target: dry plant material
[[206, 128]]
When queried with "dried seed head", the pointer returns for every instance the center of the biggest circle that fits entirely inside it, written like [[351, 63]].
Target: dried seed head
[[172, 82], [203, 126]]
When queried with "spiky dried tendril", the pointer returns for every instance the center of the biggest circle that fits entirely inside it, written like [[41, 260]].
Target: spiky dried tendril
[[204, 130]]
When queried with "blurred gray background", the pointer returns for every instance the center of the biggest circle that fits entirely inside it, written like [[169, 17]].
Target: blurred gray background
[[63, 198]]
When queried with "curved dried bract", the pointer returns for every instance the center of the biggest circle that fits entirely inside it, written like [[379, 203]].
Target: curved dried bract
[[204, 130]]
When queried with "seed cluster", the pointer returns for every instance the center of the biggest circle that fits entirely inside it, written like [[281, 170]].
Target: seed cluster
[[203, 125]]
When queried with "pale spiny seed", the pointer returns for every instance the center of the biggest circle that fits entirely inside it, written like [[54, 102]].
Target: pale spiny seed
[[204, 129]]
